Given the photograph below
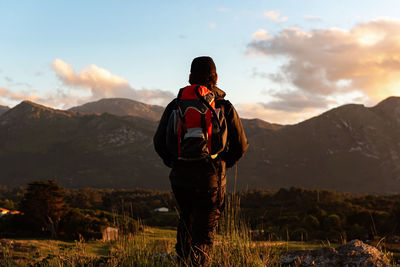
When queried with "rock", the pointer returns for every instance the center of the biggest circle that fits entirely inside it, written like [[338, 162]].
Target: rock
[[354, 253]]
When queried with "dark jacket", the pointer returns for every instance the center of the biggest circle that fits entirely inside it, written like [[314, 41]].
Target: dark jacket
[[236, 141]]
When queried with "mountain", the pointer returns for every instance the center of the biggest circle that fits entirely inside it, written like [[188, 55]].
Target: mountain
[[3, 109], [122, 107], [78, 150], [349, 148], [83, 149], [255, 127], [128, 107]]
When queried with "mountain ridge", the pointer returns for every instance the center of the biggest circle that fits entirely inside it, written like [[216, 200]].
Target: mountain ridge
[[3, 109], [350, 148], [121, 107]]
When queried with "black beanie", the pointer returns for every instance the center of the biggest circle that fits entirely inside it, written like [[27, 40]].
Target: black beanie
[[203, 66]]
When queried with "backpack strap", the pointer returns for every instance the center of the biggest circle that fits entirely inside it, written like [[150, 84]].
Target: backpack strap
[[181, 115], [207, 105], [180, 94], [182, 123], [203, 125]]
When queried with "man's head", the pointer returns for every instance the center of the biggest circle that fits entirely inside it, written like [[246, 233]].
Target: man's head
[[203, 72]]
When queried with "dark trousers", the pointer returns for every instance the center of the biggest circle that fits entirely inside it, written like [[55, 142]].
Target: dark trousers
[[199, 214], [200, 205]]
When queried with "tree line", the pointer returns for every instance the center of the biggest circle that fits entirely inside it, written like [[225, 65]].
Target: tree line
[[287, 214]]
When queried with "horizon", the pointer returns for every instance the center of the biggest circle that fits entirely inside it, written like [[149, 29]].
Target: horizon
[[280, 62], [252, 118]]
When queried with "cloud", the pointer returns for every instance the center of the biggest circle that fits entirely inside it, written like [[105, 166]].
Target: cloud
[[9, 95], [275, 16], [91, 84], [212, 25], [223, 9], [312, 18], [335, 63], [24, 84], [57, 99], [258, 110], [100, 83], [261, 34], [297, 102]]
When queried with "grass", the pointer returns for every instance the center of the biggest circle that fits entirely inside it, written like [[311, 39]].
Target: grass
[[152, 247]]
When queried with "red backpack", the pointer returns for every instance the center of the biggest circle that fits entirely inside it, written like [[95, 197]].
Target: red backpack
[[196, 129]]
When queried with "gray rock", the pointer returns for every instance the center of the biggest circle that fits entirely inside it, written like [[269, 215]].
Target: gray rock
[[354, 253]]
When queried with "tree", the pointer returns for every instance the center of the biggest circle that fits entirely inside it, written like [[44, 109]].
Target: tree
[[44, 206]]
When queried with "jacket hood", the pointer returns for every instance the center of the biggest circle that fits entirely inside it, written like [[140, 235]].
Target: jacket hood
[[219, 94]]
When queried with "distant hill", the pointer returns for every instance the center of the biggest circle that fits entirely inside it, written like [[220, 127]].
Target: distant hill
[[3, 109], [122, 107], [78, 150], [350, 148], [255, 127], [128, 107]]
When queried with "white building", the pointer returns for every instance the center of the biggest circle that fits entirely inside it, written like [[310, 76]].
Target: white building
[[162, 209]]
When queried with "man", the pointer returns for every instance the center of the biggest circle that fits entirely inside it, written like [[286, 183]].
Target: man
[[199, 185]]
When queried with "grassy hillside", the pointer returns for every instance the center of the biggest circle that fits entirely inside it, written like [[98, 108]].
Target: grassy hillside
[[256, 227], [153, 247]]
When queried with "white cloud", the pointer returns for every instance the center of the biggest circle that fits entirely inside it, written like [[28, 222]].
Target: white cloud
[[261, 34], [100, 83], [275, 16], [334, 63], [312, 18]]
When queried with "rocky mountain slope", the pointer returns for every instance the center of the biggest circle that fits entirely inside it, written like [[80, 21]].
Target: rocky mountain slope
[[78, 150], [254, 127], [350, 148], [122, 107], [3, 109]]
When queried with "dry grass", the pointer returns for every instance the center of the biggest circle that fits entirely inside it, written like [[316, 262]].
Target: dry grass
[[151, 247]]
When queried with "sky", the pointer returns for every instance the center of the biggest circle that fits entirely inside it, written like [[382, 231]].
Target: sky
[[281, 61]]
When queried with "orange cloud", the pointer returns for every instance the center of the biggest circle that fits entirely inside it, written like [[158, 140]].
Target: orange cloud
[[20, 96], [331, 61], [102, 84], [261, 34], [91, 84], [258, 110]]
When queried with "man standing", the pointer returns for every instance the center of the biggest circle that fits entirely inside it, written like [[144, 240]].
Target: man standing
[[199, 185]]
